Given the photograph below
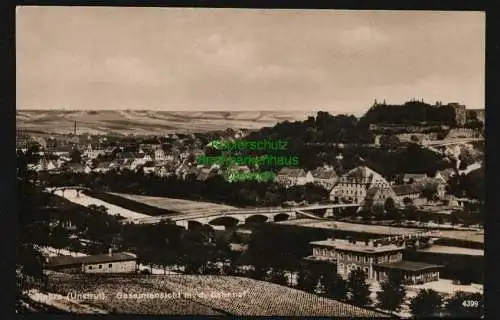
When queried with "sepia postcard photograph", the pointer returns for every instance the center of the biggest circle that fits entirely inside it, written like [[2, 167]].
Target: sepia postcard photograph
[[250, 162]]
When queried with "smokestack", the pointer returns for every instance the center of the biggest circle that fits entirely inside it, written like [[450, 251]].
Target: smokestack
[[74, 129], [110, 252]]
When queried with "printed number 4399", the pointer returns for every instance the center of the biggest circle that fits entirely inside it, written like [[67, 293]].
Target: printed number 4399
[[470, 303]]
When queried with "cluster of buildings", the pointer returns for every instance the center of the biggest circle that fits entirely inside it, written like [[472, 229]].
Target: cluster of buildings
[[368, 188]]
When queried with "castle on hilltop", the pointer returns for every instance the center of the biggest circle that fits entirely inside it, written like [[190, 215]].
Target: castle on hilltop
[[417, 111]]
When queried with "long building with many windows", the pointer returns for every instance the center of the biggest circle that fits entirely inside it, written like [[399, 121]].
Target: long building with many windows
[[375, 258]]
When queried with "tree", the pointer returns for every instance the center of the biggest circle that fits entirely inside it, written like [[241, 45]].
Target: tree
[[378, 210], [429, 193], [75, 156], [390, 206], [260, 272], [358, 288], [426, 304], [392, 294], [278, 276], [463, 304], [306, 280], [335, 286]]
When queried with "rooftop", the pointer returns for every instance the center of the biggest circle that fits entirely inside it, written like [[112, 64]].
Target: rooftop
[[324, 173], [100, 258], [408, 266], [414, 176], [357, 246], [295, 172], [404, 189]]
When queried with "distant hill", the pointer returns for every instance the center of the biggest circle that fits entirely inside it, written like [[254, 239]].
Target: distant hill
[[149, 122]]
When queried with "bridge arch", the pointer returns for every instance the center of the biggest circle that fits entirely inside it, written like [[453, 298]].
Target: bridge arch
[[281, 217], [194, 225], [257, 218], [227, 221]]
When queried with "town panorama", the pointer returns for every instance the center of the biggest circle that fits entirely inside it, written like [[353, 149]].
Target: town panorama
[[318, 163]]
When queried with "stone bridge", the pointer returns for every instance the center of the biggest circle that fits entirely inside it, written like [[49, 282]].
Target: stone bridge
[[240, 216]]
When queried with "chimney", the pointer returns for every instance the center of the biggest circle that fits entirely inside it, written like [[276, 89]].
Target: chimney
[[110, 252]]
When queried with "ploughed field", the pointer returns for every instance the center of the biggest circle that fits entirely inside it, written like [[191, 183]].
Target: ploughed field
[[200, 295]]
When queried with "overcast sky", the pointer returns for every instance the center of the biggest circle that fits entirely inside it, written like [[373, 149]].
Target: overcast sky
[[243, 59]]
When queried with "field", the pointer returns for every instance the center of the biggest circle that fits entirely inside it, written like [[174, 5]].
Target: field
[[472, 239], [454, 250], [202, 295], [129, 204], [148, 122], [177, 205], [470, 236], [353, 227]]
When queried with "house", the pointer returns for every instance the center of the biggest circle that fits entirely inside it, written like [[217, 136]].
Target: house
[[293, 177], [182, 171], [375, 258], [445, 175], [438, 185], [203, 174], [162, 171], [353, 186], [414, 177], [93, 153], [120, 262], [77, 168], [140, 159], [378, 196], [125, 155], [111, 150], [46, 165], [160, 155], [149, 167], [325, 177], [408, 193], [103, 167]]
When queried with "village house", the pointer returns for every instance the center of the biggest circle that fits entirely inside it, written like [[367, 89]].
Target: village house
[[376, 258], [377, 196], [119, 262], [103, 167], [162, 171], [93, 153], [159, 154], [289, 177], [149, 167], [353, 186], [140, 159], [46, 165], [414, 177], [325, 177], [409, 193], [77, 168]]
